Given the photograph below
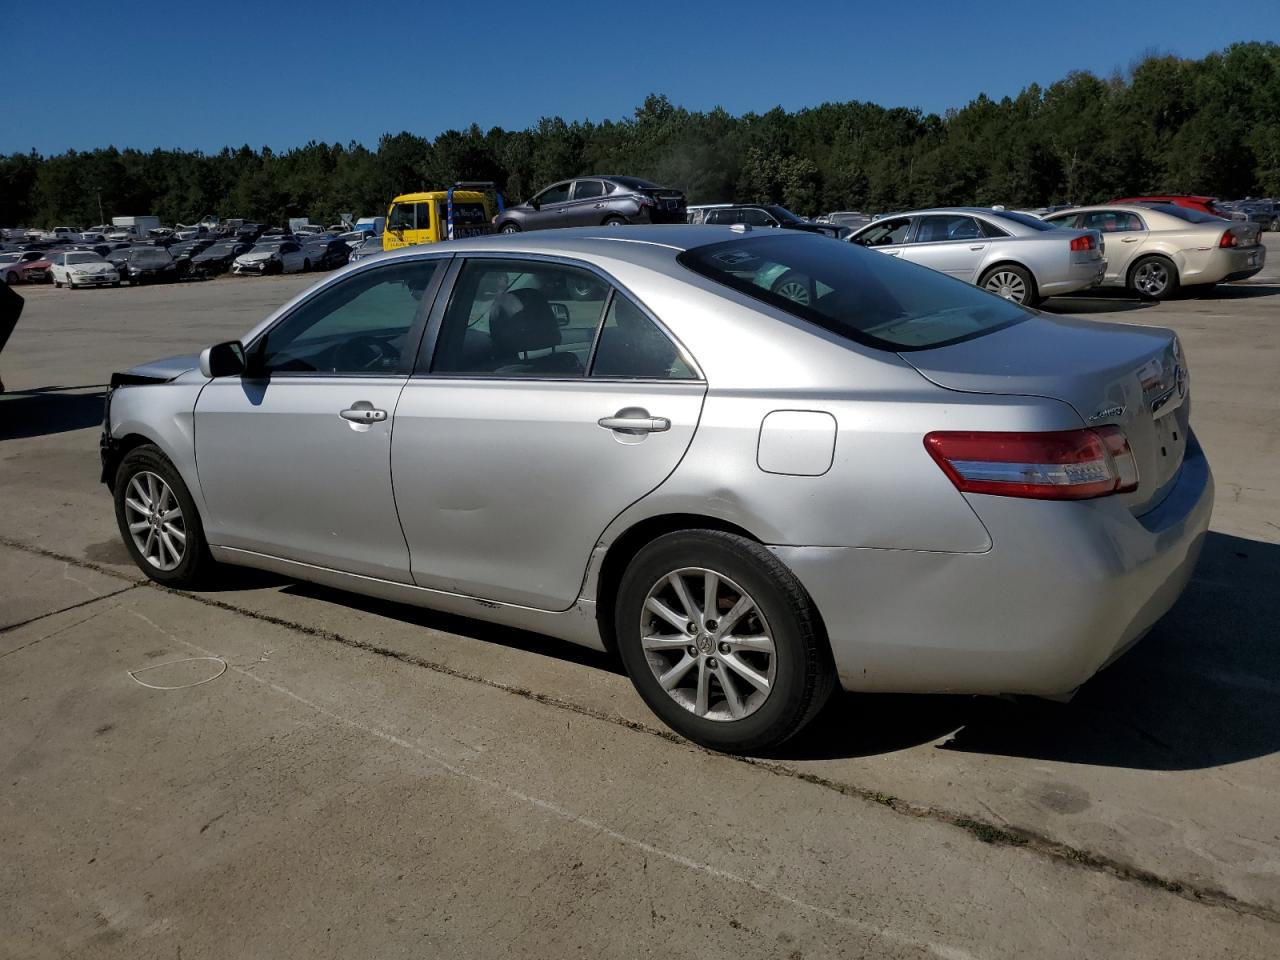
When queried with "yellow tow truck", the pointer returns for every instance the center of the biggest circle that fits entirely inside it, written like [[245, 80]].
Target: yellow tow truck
[[464, 210]]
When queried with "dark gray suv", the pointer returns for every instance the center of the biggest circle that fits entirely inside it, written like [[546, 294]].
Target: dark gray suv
[[592, 201]]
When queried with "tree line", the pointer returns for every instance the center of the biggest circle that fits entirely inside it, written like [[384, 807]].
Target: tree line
[[1207, 126]]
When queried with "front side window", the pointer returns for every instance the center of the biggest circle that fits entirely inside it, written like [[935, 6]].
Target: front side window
[[423, 212], [1067, 220], [731, 215], [401, 217], [632, 346], [557, 194], [878, 301], [520, 318], [883, 233], [359, 325], [586, 189]]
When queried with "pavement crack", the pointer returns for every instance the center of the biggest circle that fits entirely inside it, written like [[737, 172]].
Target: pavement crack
[[54, 613], [1003, 834]]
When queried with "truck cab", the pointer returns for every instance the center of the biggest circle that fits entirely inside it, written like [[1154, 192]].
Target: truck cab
[[464, 210]]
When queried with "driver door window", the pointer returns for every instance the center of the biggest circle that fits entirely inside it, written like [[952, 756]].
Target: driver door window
[[758, 218], [557, 194], [885, 233], [358, 326]]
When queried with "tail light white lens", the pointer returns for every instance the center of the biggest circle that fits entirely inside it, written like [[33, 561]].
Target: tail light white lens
[[1082, 243], [1229, 239], [1060, 465]]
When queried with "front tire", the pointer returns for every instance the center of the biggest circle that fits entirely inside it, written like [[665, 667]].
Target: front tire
[[509, 227], [1154, 278], [614, 222], [158, 520], [1012, 283], [722, 641]]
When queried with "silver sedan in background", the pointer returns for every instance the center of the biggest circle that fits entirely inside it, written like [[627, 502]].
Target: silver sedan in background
[[637, 440], [1014, 255]]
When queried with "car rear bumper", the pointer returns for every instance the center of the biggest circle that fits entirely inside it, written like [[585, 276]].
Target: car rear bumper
[[1064, 590], [1228, 264], [1081, 276]]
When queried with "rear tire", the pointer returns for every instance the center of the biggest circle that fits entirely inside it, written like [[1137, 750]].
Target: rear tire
[[1011, 282], [162, 531], [740, 685], [1153, 278]]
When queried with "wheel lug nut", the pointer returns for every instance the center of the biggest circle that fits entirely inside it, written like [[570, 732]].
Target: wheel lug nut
[[693, 651], [724, 648], [711, 663], [691, 627], [711, 626]]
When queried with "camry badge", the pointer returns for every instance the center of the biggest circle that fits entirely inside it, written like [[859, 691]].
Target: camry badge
[[1106, 413]]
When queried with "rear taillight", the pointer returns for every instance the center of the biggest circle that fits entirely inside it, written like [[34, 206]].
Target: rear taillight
[[1229, 239], [1080, 244], [1062, 465]]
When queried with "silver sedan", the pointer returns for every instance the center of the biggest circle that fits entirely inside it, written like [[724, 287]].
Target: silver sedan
[[637, 439], [1012, 254]]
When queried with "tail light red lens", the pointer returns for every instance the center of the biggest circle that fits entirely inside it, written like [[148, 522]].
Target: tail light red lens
[[1229, 239], [1059, 465], [1080, 244]]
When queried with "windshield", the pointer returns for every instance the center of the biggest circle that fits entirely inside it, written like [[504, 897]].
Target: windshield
[[1184, 213], [150, 255], [858, 294], [782, 213], [220, 249], [83, 258]]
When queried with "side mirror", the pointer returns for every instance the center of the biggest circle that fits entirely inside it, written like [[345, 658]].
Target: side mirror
[[223, 359]]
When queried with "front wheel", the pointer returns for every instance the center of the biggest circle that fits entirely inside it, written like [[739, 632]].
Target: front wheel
[[158, 520], [722, 641], [1012, 283], [614, 222], [509, 227]]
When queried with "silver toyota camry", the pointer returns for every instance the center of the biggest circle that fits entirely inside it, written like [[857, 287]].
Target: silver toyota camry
[[754, 464], [1015, 255]]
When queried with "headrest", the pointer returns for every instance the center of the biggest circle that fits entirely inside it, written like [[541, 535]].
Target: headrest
[[522, 320]]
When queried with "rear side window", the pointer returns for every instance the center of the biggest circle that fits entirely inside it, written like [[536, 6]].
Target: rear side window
[[940, 227], [632, 346], [586, 189], [723, 216], [1112, 221], [1184, 213], [857, 294]]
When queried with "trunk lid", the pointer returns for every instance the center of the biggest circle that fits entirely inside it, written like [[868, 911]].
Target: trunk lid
[[1132, 377]]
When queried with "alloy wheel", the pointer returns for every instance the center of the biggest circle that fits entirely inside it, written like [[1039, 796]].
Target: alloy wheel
[[1151, 278], [708, 644], [155, 520], [1007, 284]]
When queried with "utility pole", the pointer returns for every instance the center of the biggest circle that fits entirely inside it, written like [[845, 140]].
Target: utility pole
[[100, 220]]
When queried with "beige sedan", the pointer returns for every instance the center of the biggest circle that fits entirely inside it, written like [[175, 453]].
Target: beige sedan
[[1155, 249]]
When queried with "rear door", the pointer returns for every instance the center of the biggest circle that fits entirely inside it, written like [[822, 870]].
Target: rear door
[[949, 243], [512, 454], [586, 206]]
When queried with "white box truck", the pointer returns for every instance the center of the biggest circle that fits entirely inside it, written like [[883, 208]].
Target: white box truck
[[136, 227]]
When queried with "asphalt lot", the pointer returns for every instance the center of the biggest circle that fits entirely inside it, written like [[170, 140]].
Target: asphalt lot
[[366, 779]]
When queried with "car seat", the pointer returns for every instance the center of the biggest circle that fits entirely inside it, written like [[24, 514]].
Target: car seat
[[522, 321]]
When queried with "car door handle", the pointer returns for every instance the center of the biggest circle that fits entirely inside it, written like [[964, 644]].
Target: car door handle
[[363, 412], [635, 424], [978, 246], [1128, 239]]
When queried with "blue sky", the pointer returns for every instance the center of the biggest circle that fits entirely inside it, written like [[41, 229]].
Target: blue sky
[[204, 75]]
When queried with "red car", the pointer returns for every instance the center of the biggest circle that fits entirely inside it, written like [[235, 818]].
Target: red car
[[1207, 205], [37, 268]]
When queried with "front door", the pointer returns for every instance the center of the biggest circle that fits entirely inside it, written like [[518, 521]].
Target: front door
[[885, 236], [526, 434], [294, 460], [949, 243], [551, 207]]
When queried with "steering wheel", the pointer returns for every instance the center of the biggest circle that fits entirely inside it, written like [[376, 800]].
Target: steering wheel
[[365, 352]]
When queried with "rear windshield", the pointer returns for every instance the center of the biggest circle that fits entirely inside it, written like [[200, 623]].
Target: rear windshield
[[634, 183], [1026, 219], [1184, 213], [858, 294]]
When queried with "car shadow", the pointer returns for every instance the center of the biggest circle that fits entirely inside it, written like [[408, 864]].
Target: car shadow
[[1229, 291], [463, 626], [48, 410], [1201, 690]]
